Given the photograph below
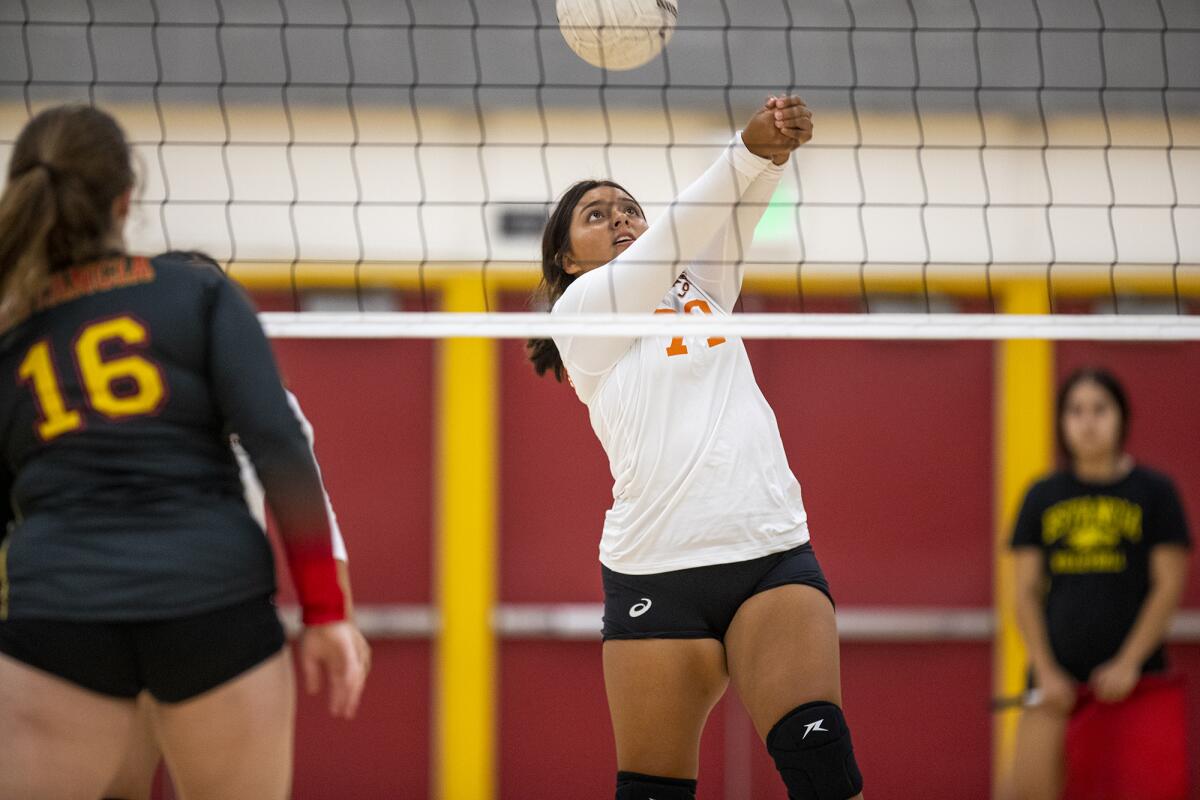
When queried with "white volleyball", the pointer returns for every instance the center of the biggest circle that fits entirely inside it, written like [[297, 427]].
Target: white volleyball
[[617, 34]]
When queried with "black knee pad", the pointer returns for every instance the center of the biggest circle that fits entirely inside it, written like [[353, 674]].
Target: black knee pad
[[812, 751], [635, 786]]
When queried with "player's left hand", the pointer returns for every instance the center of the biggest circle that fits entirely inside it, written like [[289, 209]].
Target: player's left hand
[[1113, 680]]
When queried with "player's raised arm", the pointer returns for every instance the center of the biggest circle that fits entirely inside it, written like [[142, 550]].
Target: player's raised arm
[[619, 264], [719, 268]]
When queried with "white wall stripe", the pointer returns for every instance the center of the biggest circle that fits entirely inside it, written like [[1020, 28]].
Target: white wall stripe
[[581, 621]]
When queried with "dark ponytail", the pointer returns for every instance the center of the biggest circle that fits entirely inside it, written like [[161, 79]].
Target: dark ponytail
[[556, 240], [68, 166]]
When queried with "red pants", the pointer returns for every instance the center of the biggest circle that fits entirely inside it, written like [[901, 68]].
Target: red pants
[[1132, 750]]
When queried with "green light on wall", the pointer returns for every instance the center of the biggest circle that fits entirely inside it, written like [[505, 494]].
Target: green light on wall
[[779, 220]]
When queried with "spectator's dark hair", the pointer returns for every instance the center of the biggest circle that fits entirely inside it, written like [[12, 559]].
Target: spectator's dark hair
[[1106, 381], [556, 240], [68, 166]]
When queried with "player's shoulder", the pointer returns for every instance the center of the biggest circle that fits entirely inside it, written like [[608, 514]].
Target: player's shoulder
[[1158, 481], [188, 265], [571, 300], [1052, 485]]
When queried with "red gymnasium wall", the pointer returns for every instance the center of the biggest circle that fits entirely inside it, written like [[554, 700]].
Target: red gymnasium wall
[[892, 443]]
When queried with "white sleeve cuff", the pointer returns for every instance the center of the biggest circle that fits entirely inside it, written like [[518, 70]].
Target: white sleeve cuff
[[746, 162]]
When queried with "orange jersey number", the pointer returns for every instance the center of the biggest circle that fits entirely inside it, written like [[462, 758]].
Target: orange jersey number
[[677, 347], [140, 380]]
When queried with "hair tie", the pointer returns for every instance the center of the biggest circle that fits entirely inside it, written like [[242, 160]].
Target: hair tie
[[51, 170]]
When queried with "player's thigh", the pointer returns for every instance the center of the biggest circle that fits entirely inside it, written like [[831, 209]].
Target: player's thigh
[[60, 740], [660, 692], [1038, 764], [234, 740], [139, 760], [782, 651]]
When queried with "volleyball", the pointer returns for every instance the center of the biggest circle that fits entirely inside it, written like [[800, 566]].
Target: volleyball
[[617, 34]]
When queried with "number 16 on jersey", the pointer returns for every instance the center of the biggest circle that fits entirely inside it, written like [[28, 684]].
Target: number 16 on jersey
[[126, 386]]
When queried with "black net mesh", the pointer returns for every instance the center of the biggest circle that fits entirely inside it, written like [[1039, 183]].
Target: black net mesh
[[369, 143]]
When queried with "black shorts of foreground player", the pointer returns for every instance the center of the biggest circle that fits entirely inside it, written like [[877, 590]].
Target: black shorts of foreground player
[[1101, 551], [131, 561], [708, 575]]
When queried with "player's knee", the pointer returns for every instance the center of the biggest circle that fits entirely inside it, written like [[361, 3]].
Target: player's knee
[[636, 786], [812, 751]]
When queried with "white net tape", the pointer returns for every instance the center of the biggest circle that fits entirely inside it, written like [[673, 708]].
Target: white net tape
[[385, 325]]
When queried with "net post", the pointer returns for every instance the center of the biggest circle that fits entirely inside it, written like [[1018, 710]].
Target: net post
[[465, 660], [1023, 432]]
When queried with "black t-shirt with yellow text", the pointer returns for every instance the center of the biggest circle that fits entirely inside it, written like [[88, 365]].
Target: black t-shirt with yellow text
[[1096, 541]]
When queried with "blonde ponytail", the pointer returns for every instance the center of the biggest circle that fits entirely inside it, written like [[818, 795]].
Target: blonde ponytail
[[68, 167], [27, 215]]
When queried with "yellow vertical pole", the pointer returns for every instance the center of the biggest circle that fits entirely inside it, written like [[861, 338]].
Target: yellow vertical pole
[[1024, 435], [465, 659]]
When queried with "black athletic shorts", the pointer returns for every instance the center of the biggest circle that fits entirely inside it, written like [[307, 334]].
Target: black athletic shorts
[[699, 603], [174, 659]]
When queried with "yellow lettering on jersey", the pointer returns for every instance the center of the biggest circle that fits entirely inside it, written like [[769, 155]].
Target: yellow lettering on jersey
[[100, 276], [37, 369], [99, 375]]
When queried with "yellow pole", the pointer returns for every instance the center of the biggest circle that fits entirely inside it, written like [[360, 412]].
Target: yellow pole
[[465, 660], [1024, 431]]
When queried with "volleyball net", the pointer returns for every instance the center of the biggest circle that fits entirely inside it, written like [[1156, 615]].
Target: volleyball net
[[984, 170], [357, 155]]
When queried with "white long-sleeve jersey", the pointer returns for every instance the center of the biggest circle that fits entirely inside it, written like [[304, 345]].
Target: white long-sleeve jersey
[[700, 475], [256, 498]]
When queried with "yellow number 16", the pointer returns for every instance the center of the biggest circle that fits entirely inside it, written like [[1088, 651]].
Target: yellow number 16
[[137, 379]]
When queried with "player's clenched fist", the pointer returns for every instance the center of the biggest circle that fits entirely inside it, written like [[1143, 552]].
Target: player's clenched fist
[[779, 127]]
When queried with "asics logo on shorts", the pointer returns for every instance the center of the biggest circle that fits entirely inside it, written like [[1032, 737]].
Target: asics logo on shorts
[[814, 726], [640, 608]]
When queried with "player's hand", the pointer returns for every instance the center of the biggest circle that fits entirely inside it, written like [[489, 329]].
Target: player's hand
[[364, 650], [793, 118], [1113, 680], [778, 128], [1056, 690], [338, 652]]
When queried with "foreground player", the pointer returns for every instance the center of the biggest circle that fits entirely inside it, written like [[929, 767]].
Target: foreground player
[[708, 574], [1101, 564], [132, 562]]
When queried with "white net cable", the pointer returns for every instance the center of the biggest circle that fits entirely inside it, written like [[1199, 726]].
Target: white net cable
[[383, 325]]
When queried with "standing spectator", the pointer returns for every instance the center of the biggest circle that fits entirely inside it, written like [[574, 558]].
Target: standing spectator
[[1101, 559]]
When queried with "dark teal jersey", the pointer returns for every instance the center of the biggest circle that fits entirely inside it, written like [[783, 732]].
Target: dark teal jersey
[[119, 396]]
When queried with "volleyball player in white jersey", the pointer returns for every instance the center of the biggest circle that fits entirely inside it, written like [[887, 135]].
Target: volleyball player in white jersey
[[135, 778], [708, 574]]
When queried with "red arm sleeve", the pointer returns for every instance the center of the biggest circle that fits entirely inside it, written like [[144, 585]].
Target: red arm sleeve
[[251, 398]]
